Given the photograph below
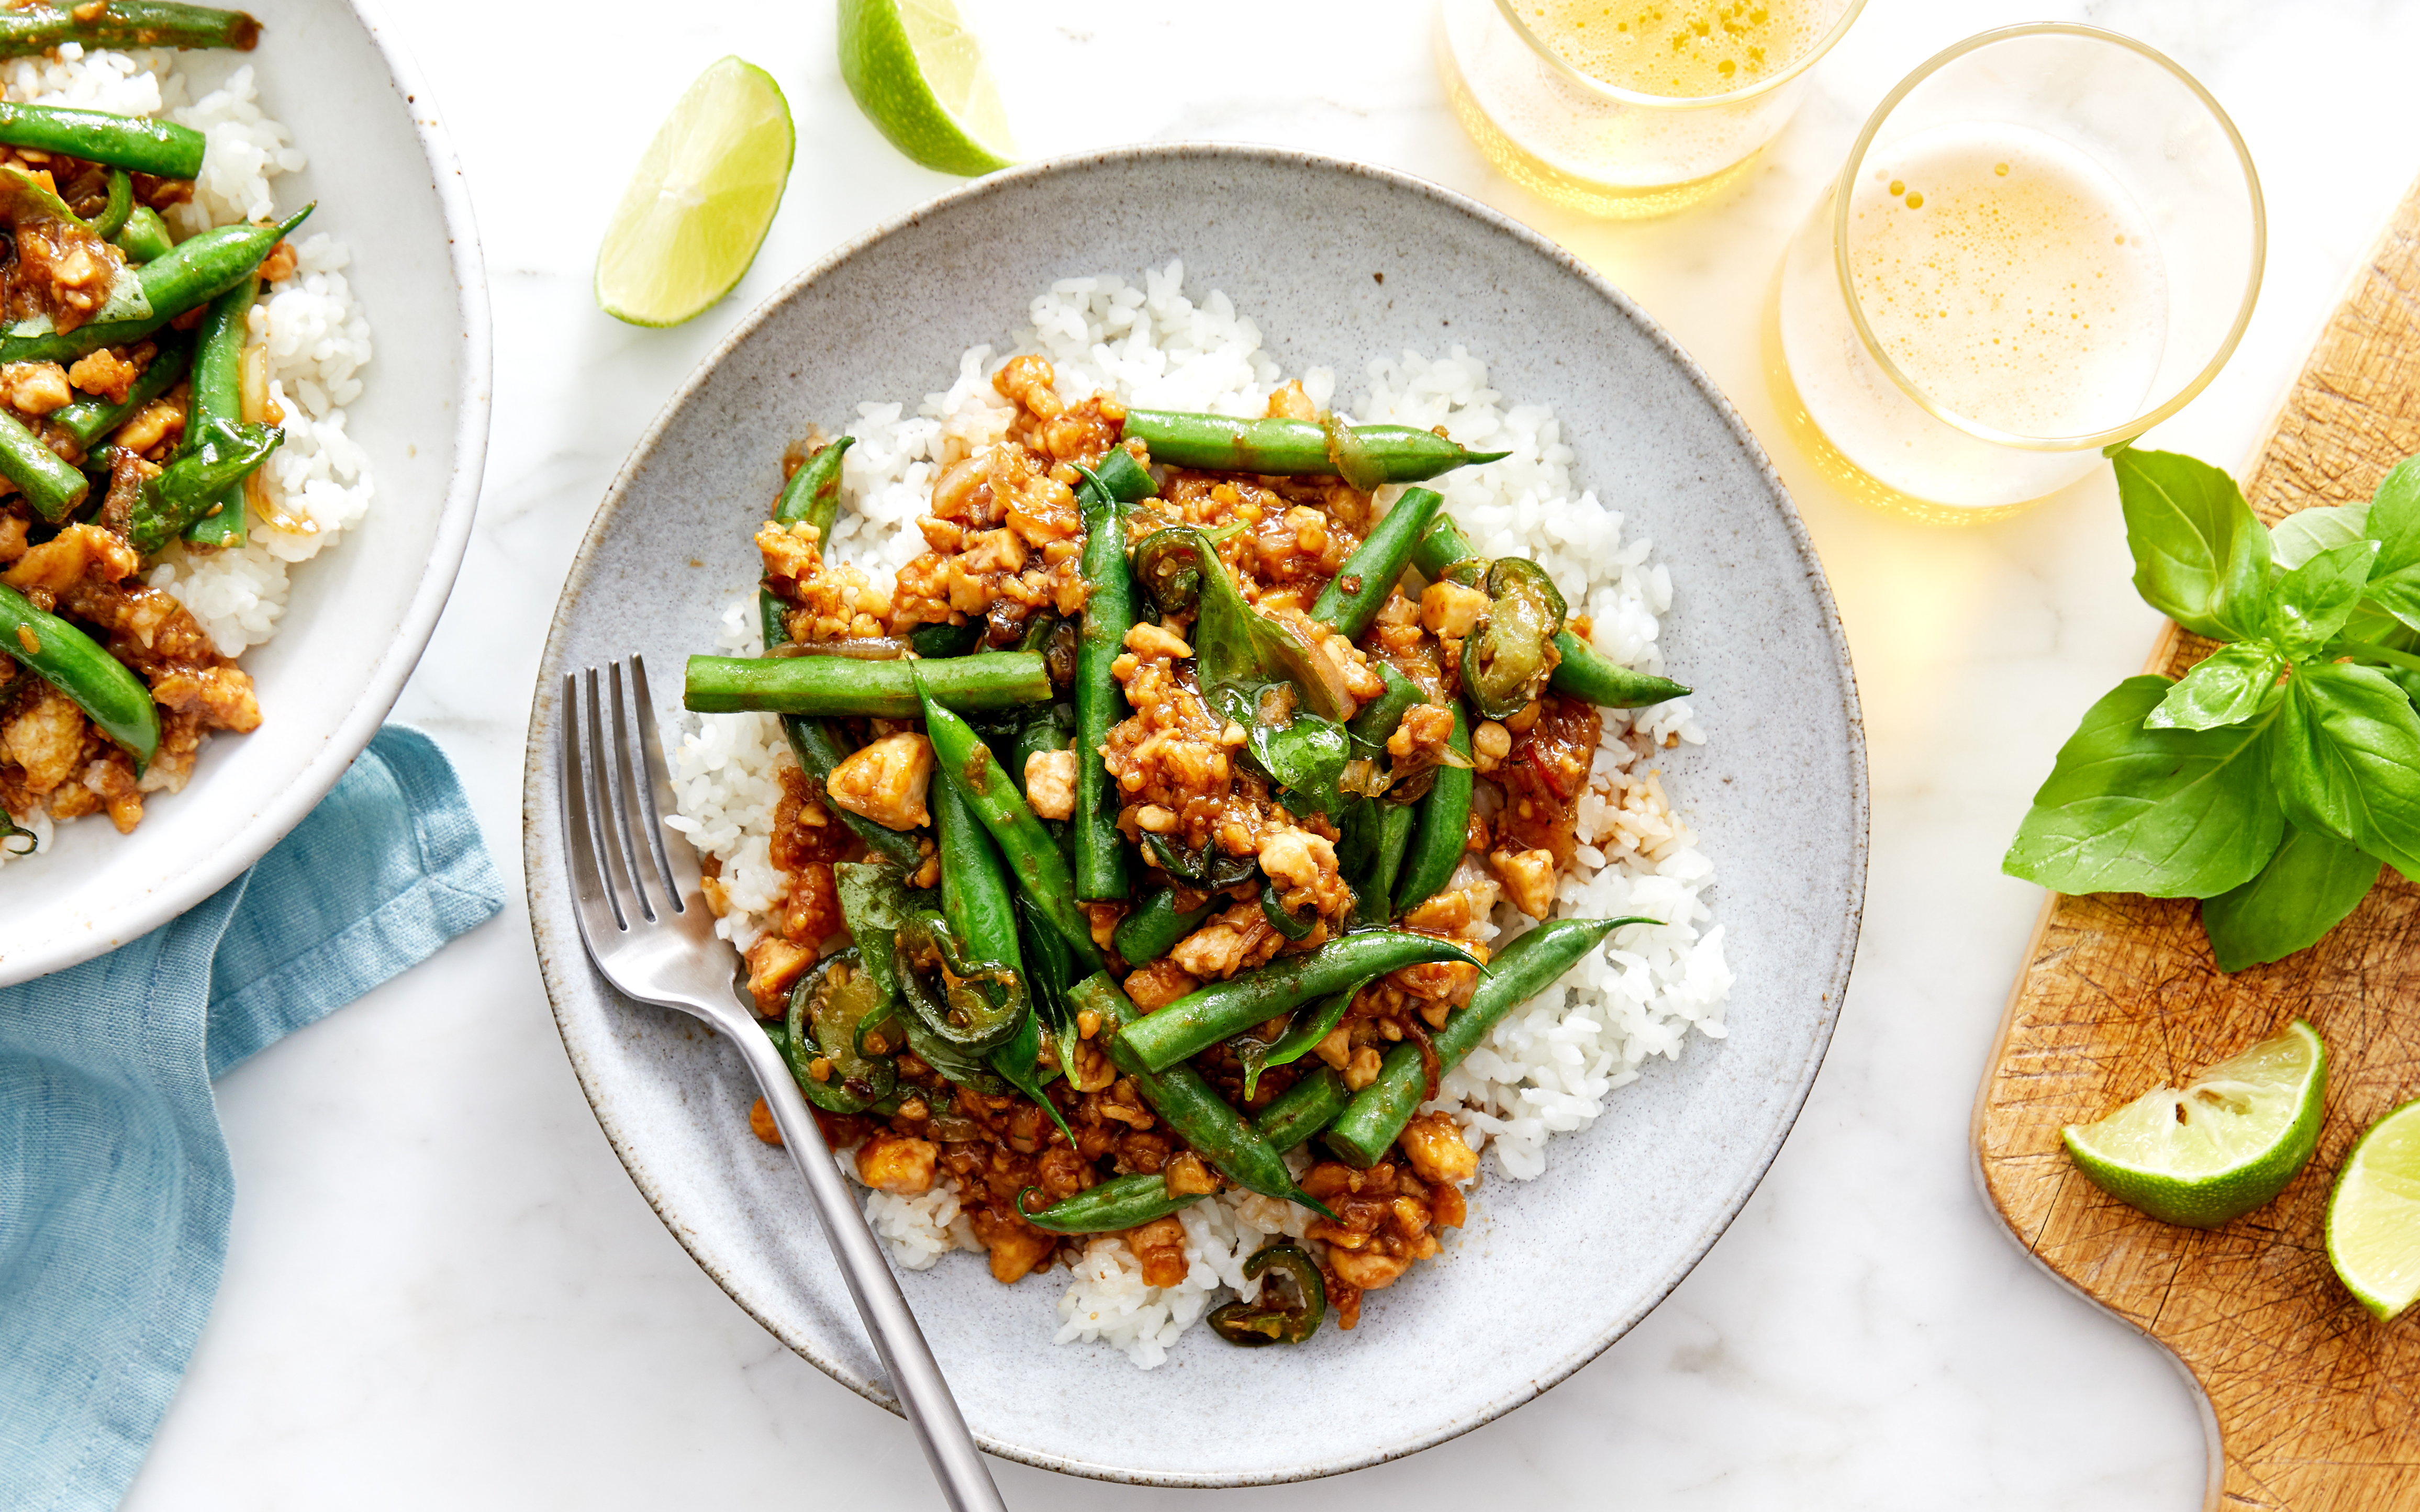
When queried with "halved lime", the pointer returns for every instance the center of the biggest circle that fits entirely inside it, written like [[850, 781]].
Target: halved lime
[[2374, 1214], [2219, 1146], [698, 206], [918, 75]]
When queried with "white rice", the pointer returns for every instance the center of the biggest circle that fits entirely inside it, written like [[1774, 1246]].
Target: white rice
[[316, 333], [1549, 1067]]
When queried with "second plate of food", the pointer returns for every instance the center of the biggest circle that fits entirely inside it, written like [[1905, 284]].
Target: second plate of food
[[1580, 1155]]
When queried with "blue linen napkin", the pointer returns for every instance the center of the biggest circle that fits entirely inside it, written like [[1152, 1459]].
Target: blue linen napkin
[[114, 1184]]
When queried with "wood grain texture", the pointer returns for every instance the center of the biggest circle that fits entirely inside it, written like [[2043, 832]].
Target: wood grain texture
[[2316, 1405]]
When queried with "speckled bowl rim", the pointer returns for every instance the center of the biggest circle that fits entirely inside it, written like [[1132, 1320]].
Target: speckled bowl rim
[[541, 870]]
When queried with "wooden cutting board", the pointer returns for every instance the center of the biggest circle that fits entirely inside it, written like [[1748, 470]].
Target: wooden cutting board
[[2314, 1404]]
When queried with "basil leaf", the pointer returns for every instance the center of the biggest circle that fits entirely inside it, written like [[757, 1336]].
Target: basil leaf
[[2176, 813], [2231, 684], [1236, 645], [2307, 532], [2347, 760], [2201, 557], [1304, 758], [2311, 603], [2394, 522], [2307, 889]]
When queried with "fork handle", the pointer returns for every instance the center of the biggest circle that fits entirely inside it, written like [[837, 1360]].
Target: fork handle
[[907, 1360]]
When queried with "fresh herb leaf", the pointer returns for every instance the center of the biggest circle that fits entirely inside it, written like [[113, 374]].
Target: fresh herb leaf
[[1234, 645], [2171, 812], [2347, 760], [2201, 557], [2307, 532], [2310, 604], [1020, 1064], [2230, 685], [1304, 758], [2392, 521], [2307, 889]]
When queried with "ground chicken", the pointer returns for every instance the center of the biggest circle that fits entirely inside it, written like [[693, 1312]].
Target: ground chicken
[[900, 1166], [45, 736], [1528, 878], [1050, 784], [886, 782], [1448, 610], [1434, 1144]]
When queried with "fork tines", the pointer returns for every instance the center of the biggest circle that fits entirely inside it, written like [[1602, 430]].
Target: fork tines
[[618, 881]]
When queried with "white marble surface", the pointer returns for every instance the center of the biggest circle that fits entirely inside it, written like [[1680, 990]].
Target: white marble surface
[[442, 1290]]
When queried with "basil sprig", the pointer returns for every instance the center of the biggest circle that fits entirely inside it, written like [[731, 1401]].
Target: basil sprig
[[2274, 778]]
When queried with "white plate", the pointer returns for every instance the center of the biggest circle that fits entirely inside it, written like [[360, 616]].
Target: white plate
[[387, 184], [1550, 1271]]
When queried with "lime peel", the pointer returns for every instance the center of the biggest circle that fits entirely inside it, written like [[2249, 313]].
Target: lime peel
[[918, 73], [701, 199], [2374, 1215], [2218, 1148]]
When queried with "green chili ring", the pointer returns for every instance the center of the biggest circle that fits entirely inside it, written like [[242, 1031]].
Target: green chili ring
[[1254, 1325], [979, 1006]]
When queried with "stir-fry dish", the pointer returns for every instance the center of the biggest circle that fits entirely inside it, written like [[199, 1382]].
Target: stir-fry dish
[[139, 401], [1128, 832]]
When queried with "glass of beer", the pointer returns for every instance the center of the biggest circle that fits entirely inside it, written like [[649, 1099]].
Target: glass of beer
[[1629, 108], [2047, 239]]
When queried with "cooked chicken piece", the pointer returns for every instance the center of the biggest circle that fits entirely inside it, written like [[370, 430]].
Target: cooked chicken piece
[[1450, 610], [898, 1165], [886, 782], [1434, 1144], [1528, 878], [1050, 784], [45, 736]]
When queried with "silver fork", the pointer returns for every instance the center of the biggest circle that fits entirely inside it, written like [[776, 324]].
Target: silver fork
[[644, 917]]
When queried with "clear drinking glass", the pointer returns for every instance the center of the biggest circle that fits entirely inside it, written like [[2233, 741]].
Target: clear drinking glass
[[2047, 239], [1629, 108]]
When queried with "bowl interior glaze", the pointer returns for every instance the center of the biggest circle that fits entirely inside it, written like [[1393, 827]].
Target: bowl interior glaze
[[1548, 1273]]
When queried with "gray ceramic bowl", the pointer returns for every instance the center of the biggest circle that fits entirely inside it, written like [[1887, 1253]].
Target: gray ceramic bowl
[[1549, 1273], [385, 178]]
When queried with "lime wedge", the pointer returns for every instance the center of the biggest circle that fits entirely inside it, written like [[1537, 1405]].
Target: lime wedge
[[918, 75], [2374, 1214], [2219, 1148], [698, 206]]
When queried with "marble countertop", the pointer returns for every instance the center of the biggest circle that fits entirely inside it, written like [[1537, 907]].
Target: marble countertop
[[442, 1290]]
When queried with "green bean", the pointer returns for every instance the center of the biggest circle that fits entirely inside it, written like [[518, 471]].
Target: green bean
[[1188, 1106], [1154, 927], [1112, 1207], [71, 661], [975, 896], [1219, 443], [145, 236], [1528, 966], [185, 277], [120, 205], [1585, 673], [1109, 614], [1353, 597], [1201, 1019], [161, 148], [818, 748], [39, 28], [49, 482], [218, 454], [1444, 828], [217, 393], [89, 419], [813, 493], [1303, 1109], [877, 689], [1374, 890], [968, 766], [1123, 1202], [1376, 722]]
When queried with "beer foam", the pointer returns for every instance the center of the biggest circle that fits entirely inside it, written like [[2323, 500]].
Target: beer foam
[[2010, 278]]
